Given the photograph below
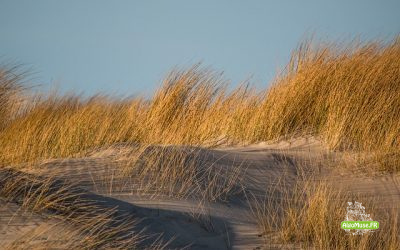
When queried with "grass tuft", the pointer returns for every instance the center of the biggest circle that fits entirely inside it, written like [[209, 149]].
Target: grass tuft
[[349, 96]]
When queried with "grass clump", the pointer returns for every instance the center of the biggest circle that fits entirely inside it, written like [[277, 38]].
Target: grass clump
[[182, 172], [309, 217], [347, 95], [350, 96], [81, 222], [10, 88]]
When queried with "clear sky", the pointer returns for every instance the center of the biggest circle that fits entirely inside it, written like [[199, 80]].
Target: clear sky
[[126, 47]]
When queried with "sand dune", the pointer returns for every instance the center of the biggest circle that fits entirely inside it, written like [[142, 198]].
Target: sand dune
[[191, 222]]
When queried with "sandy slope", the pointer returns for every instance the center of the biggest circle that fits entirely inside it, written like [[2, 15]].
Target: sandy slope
[[199, 224]]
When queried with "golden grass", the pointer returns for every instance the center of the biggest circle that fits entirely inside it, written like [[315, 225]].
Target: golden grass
[[82, 222], [88, 224], [348, 96], [309, 216], [181, 172], [10, 87]]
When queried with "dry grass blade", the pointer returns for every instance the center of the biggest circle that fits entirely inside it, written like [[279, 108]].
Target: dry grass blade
[[346, 95], [308, 217], [97, 226]]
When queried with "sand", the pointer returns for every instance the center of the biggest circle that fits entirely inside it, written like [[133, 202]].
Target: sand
[[190, 223]]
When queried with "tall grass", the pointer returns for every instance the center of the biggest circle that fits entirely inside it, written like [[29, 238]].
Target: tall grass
[[347, 95], [350, 96], [10, 87], [308, 217]]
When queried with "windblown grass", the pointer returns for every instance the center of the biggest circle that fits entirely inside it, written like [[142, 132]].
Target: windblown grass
[[88, 224], [10, 87], [349, 96], [346, 95], [182, 172], [308, 217]]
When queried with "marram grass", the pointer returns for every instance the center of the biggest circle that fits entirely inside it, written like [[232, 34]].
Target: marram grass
[[348, 95]]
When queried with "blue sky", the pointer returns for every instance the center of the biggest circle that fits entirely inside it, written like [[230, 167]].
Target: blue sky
[[126, 47]]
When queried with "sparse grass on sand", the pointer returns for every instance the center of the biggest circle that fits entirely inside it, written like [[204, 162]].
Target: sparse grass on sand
[[83, 223], [308, 216], [181, 172]]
